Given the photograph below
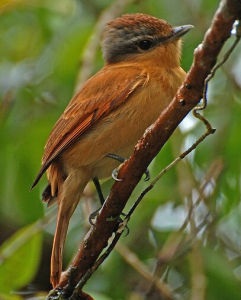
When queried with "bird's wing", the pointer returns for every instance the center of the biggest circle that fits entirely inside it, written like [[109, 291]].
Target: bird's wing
[[102, 94]]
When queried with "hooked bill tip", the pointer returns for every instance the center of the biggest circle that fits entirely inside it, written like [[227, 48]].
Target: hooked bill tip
[[181, 30]]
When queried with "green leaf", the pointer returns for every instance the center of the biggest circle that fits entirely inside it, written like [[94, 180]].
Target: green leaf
[[9, 297], [98, 296], [19, 258], [221, 281]]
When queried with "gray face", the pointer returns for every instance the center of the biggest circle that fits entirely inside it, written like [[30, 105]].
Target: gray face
[[137, 33], [123, 41]]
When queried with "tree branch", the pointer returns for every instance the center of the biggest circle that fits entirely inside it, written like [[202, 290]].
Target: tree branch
[[187, 97]]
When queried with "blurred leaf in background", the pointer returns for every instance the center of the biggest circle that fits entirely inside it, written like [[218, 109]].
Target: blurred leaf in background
[[42, 47], [15, 261]]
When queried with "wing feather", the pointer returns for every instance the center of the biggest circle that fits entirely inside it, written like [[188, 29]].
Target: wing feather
[[102, 94]]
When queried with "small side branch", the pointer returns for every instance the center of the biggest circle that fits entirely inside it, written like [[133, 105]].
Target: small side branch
[[187, 97]]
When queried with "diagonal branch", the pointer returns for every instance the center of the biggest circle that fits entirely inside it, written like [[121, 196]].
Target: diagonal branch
[[187, 97]]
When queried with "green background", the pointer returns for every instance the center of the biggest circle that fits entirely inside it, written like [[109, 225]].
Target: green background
[[42, 51]]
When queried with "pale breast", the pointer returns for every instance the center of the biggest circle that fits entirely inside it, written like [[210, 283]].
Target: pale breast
[[119, 132]]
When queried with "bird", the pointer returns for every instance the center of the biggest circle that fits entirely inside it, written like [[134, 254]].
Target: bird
[[110, 113]]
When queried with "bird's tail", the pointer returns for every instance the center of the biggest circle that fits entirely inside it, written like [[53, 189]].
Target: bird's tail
[[68, 197]]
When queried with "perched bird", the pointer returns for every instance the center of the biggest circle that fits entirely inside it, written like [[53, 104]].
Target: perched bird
[[110, 113]]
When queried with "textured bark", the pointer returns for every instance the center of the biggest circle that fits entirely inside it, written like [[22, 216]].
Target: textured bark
[[187, 97]]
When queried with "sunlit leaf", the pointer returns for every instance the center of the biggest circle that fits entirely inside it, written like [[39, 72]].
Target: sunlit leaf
[[19, 258], [10, 297]]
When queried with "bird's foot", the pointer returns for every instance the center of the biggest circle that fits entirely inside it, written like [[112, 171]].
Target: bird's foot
[[115, 173], [147, 175], [56, 293], [122, 224], [116, 170], [93, 216]]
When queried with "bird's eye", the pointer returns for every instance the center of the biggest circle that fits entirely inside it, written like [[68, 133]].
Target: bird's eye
[[145, 44]]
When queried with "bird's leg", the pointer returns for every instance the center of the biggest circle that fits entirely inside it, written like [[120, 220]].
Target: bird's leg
[[98, 189], [94, 214], [122, 160], [114, 176], [116, 170], [102, 200], [116, 157]]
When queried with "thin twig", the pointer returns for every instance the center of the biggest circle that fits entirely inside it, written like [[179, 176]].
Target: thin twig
[[203, 104], [198, 279], [209, 129], [165, 170], [178, 244], [161, 286], [211, 176], [155, 137], [90, 271], [132, 259]]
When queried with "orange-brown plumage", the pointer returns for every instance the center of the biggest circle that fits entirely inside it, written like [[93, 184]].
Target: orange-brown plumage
[[110, 113]]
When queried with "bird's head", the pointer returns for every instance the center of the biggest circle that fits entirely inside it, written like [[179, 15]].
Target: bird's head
[[135, 36]]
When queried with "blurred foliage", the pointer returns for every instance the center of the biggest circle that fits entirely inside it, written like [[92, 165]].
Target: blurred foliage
[[42, 43], [15, 261]]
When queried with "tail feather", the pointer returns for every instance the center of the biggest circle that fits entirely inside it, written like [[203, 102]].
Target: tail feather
[[58, 245], [55, 178], [46, 195], [68, 197]]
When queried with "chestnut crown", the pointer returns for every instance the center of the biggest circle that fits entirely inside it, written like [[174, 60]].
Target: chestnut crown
[[137, 33]]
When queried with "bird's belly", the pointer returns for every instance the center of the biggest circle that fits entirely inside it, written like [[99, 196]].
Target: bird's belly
[[118, 132], [104, 167]]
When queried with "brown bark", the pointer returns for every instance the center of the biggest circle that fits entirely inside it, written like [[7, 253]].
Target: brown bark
[[187, 97]]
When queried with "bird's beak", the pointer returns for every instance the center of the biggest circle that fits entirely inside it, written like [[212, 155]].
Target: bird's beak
[[181, 30]]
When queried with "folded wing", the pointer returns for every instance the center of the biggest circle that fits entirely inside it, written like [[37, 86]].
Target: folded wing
[[102, 94]]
